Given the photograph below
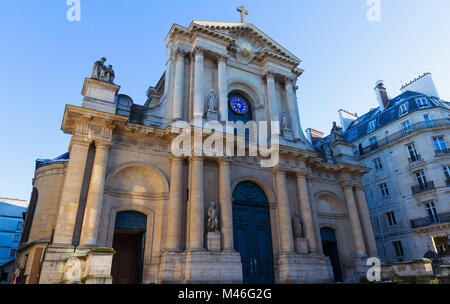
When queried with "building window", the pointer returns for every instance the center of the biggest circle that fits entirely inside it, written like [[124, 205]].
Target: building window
[[19, 225], [373, 143], [391, 220], [398, 247], [377, 164], [16, 238], [422, 102], [431, 212], [12, 253], [376, 224], [421, 179], [412, 152], [371, 126], [442, 245], [447, 172], [384, 190], [406, 126], [404, 108], [440, 145]]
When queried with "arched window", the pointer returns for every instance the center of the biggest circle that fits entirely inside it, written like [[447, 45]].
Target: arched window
[[239, 108]]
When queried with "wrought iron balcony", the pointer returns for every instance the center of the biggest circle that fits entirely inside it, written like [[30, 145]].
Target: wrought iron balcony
[[442, 151], [422, 187], [419, 126], [428, 221], [415, 158]]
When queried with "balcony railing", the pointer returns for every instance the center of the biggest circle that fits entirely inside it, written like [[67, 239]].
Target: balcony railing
[[419, 126], [442, 151], [415, 158], [423, 187], [428, 221]]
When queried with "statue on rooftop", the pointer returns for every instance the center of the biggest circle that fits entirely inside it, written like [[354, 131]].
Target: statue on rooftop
[[336, 134], [101, 72]]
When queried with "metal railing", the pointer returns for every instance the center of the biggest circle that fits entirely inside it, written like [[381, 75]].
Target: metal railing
[[419, 126], [415, 158], [442, 151], [428, 221], [423, 187]]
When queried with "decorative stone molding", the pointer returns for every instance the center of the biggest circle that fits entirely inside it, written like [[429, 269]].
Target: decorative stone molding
[[198, 51]]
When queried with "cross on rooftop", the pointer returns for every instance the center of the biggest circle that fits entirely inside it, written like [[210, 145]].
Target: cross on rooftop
[[243, 13]]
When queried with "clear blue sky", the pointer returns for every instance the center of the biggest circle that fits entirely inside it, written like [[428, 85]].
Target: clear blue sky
[[44, 59]]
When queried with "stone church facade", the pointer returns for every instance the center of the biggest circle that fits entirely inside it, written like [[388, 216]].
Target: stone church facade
[[122, 208]]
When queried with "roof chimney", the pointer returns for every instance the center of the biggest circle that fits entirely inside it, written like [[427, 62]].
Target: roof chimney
[[383, 99]]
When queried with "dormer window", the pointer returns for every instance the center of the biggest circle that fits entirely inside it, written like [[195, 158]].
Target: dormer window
[[422, 103], [404, 108], [371, 126]]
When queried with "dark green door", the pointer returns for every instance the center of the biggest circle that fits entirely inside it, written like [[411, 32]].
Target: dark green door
[[252, 234]]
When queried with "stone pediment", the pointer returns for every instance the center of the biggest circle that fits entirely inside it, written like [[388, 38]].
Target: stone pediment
[[244, 39]]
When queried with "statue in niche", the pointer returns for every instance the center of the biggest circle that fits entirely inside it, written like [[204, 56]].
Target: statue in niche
[[297, 225], [336, 134], [284, 121], [213, 221], [101, 72], [212, 102]]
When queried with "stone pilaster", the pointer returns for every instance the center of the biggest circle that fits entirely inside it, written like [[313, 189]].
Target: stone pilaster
[[225, 204], [222, 87], [306, 212], [358, 240], [292, 107], [178, 90], [196, 207], [371, 244], [95, 196], [68, 208], [198, 82], [174, 210], [272, 94], [284, 214]]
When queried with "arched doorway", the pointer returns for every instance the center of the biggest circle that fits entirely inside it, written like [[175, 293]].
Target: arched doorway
[[129, 244], [330, 249], [252, 234]]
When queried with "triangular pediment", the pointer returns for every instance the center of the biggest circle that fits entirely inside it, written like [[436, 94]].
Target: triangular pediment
[[238, 31]]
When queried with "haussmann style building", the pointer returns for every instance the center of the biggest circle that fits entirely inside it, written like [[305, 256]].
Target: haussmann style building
[[406, 143], [120, 207]]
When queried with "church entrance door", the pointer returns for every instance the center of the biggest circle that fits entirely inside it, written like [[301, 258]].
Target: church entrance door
[[129, 244], [330, 249], [252, 233]]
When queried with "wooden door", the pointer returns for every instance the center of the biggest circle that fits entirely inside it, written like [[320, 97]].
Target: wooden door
[[125, 259]]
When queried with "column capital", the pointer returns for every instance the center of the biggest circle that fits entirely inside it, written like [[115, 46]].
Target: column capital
[[103, 145], [221, 58], [289, 81], [82, 141], [279, 171], [198, 51], [224, 161], [195, 158], [269, 75], [301, 174], [181, 52], [176, 158], [347, 185]]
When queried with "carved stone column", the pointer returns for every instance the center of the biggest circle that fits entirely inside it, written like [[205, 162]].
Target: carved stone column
[[306, 212], [178, 91], [222, 87], [93, 209], [365, 219], [225, 204], [354, 221], [284, 213], [174, 208], [198, 83], [272, 96], [68, 208], [292, 107], [196, 207]]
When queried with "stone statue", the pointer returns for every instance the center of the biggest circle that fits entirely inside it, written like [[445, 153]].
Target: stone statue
[[213, 221], [109, 74], [336, 134], [284, 121], [212, 101], [101, 72], [297, 225]]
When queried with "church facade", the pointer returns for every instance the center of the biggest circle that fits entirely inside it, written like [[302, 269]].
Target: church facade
[[122, 207]]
